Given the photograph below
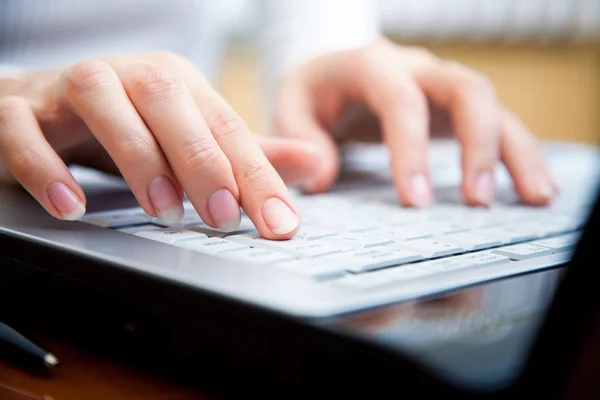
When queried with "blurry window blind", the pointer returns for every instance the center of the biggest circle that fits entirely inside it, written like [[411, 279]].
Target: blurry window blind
[[505, 20]]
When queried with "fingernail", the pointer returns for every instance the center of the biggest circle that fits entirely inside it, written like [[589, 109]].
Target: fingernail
[[484, 188], [224, 210], [165, 200], [546, 189], [67, 203], [279, 217], [421, 192]]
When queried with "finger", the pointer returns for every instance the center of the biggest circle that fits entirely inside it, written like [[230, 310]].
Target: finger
[[472, 103], [95, 93], [263, 195], [525, 162], [164, 102], [33, 162], [297, 161], [295, 118], [402, 110]]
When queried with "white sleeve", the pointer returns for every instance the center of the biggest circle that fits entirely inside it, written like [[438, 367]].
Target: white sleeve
[[297, 30], [7, 71]]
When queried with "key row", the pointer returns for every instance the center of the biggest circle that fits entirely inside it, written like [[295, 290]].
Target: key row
[[336, 258]]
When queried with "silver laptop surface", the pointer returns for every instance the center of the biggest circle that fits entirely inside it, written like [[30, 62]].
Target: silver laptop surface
[[357, 248]]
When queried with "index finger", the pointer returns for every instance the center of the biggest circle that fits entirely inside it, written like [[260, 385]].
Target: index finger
[[263, 194]]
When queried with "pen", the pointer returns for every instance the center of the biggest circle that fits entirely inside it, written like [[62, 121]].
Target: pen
[[18, 346]]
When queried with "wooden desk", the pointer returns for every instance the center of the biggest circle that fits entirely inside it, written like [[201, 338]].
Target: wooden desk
[[85, 375]]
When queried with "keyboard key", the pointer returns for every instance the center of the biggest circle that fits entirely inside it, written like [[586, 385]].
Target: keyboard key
[[405, 233], [212, 245], [190, 218], [479, 221], [246, 226], [358, 241], [139, 228], [313, 249], [117, 220], [376, 258], [259, 256], [523, 251], [296, 247], [559, 244], [446, 228], [481, 259], [348, 226], [384, 277], [432, 248], [508, 235], [444, 264], [555, 226], [172, 235], [473, 241], [316, 269], [313, 232]]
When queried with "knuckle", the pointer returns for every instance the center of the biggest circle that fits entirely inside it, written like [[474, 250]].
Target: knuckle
[[139, 147], [154, 84], [200, 156], [423, 54], [470, 82], [86, 76], [224, 125], [255, 178], [403, 96], [12, 107], [27, 158]]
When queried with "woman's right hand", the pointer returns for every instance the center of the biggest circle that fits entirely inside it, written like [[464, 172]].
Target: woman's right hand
[[156, 120]]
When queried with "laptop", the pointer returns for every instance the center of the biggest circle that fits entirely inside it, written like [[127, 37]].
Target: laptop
[[368, 297]]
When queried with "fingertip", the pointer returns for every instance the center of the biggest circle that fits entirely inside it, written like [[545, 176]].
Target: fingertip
[[281, 220], [224, 210], [415, 190], [67, 204], [536, 189], [308, 164], [325, 172], [77, 213], [480, 188]]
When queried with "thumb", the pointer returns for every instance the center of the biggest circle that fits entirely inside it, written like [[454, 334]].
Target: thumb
[[296, 160], [296, 119]]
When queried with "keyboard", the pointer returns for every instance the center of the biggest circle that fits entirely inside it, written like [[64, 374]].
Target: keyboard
[[364, 240]]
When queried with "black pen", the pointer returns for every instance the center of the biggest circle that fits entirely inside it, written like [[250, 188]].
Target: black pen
[[18, 346]]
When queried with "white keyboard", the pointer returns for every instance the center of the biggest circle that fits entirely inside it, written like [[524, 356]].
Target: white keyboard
[[365, 241]]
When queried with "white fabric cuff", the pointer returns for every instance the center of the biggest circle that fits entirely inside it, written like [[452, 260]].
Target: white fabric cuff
[[297, 31], [7, 71]]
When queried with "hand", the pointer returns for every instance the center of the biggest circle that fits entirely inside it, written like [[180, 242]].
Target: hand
[[156, 120], [398, 84]]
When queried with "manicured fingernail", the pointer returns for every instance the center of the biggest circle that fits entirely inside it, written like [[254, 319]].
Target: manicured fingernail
[[67, 203], [165, 200], [484, 188], [224, 210], [420, 190], [280, 218]]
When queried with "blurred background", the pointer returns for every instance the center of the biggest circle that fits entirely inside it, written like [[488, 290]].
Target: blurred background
[[542, 55]]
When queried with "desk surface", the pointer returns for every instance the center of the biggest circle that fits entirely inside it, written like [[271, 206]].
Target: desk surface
[[90, 376]]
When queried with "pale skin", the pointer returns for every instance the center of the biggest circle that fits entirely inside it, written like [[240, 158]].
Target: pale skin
[[157, 121]]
